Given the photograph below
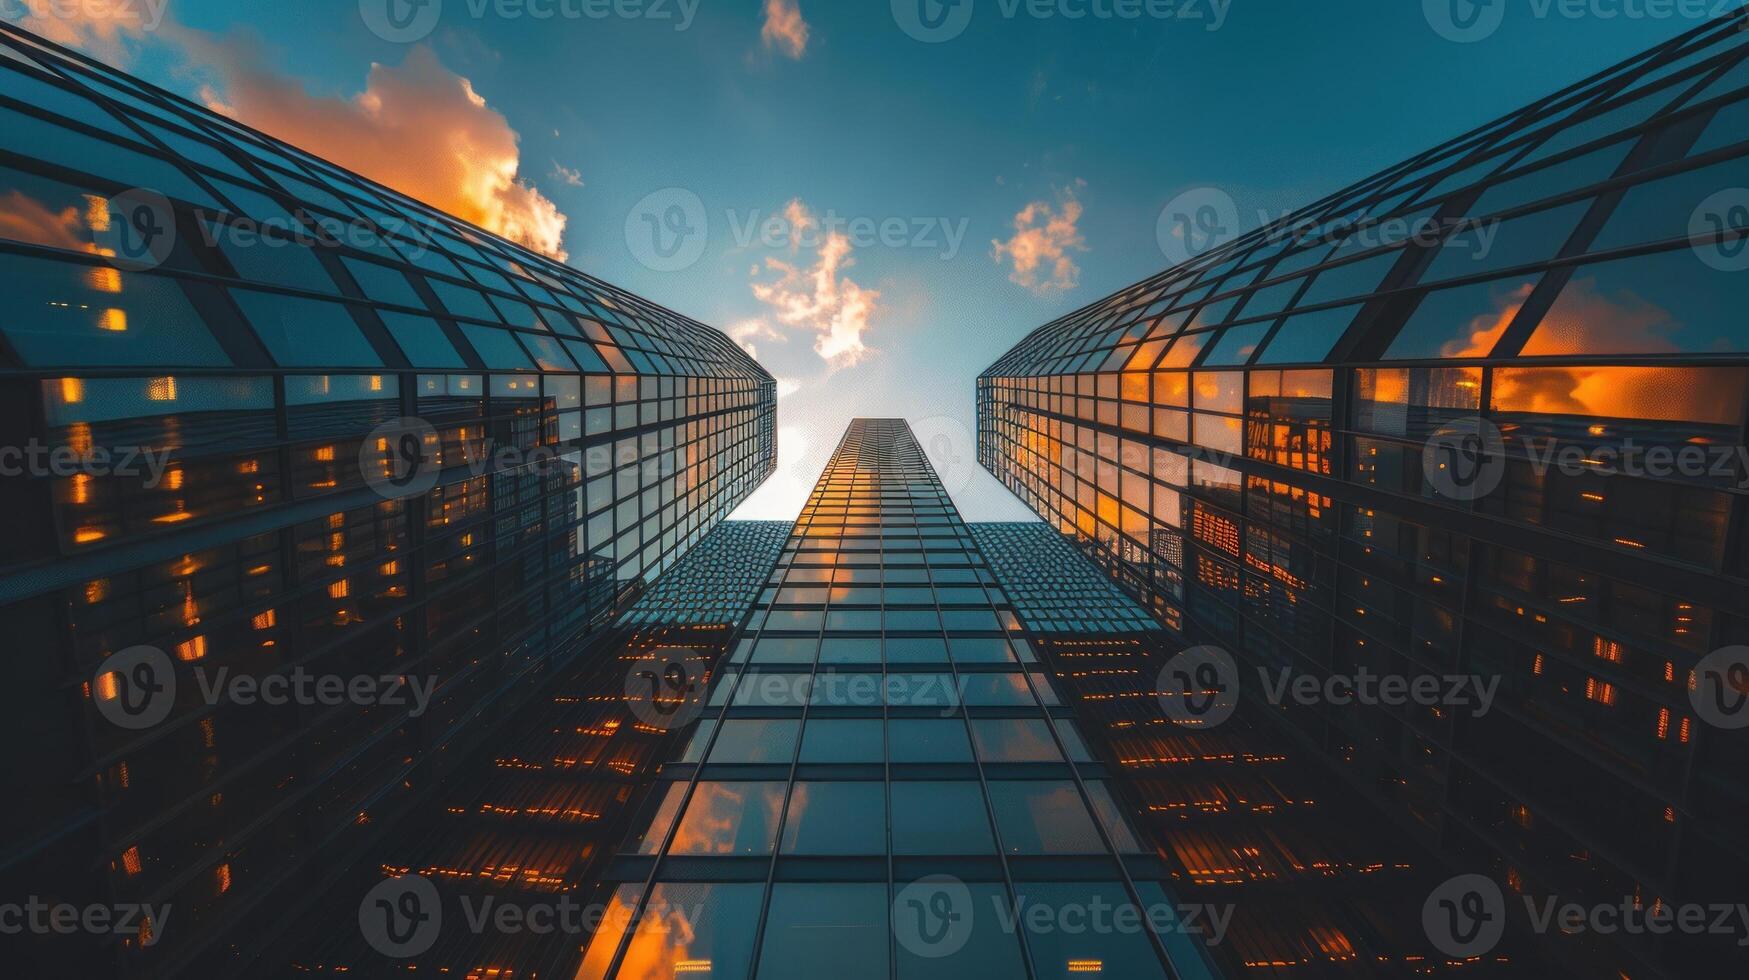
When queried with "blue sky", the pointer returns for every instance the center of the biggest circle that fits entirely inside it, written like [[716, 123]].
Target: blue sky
[[1084, 127]]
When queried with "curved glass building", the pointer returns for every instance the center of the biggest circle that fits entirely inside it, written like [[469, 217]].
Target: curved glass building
[[271, 424], [1478, 417]]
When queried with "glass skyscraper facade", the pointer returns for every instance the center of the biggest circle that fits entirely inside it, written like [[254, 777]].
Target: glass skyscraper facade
[[275, 424], [1431, 427]]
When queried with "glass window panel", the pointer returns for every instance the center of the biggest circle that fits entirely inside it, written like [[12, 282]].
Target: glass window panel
[[756, 740], [604, 945], [1671, 208], [1014, 740], [463, 301], [547, 353], [422, 340], [991, 951], [826, 930], [730, 818], [1307, 338], [1354, 279], [1463, 322], [981, 650], [846, 740], [916, 650], [1562, 178], [88, 154], [766, 690], [847, 690], [996, 690], [921, 691], [263, 258], [383, 284], [1237, 344], [1071, 954], [1691, 396], [1532, 239], [940, 818], [63, 314], [928, 740], [1668, 302], [496, 347], [785, 650], [836, 818], [850, 650], [1043, 817], [692, 928], [301, 332]]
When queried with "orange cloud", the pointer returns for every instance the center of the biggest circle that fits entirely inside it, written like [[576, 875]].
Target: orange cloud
[[821, 299], [1043, 237], [784, 28], [26, 219], [1485, 330], [417, 127]]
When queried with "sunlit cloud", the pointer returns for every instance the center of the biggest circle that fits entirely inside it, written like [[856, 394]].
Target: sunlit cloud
[[820, 298], [567, 174], [784, 29], [747, 332], [417, 127], [1044, 236]]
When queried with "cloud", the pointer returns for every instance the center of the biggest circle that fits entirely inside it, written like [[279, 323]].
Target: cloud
[[1044, 235], [787, 387], [821, 299], [417, 127], [748, 331], [784, 29], [568, 175]]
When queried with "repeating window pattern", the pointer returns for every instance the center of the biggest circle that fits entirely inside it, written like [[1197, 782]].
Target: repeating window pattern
[[1240, 440], [286, 317], [1053, 588], [719, 579], [883, 718]]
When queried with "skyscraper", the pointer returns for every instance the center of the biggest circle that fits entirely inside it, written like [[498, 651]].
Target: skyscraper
[[1479, 418], [309, 486]]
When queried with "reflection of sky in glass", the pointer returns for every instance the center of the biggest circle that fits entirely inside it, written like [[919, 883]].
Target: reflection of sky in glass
[[815, 931], [693, 930], [1014, 740], [1043, 817], [835, 818], [730, 818]]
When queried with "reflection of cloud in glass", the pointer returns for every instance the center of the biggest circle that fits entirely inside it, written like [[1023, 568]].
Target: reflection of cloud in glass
[[730, 818], [1484, 330], [25, 219]]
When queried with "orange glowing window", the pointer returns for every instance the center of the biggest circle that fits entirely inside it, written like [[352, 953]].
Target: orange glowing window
[[191, 649], [161, 389], [130, 860]]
